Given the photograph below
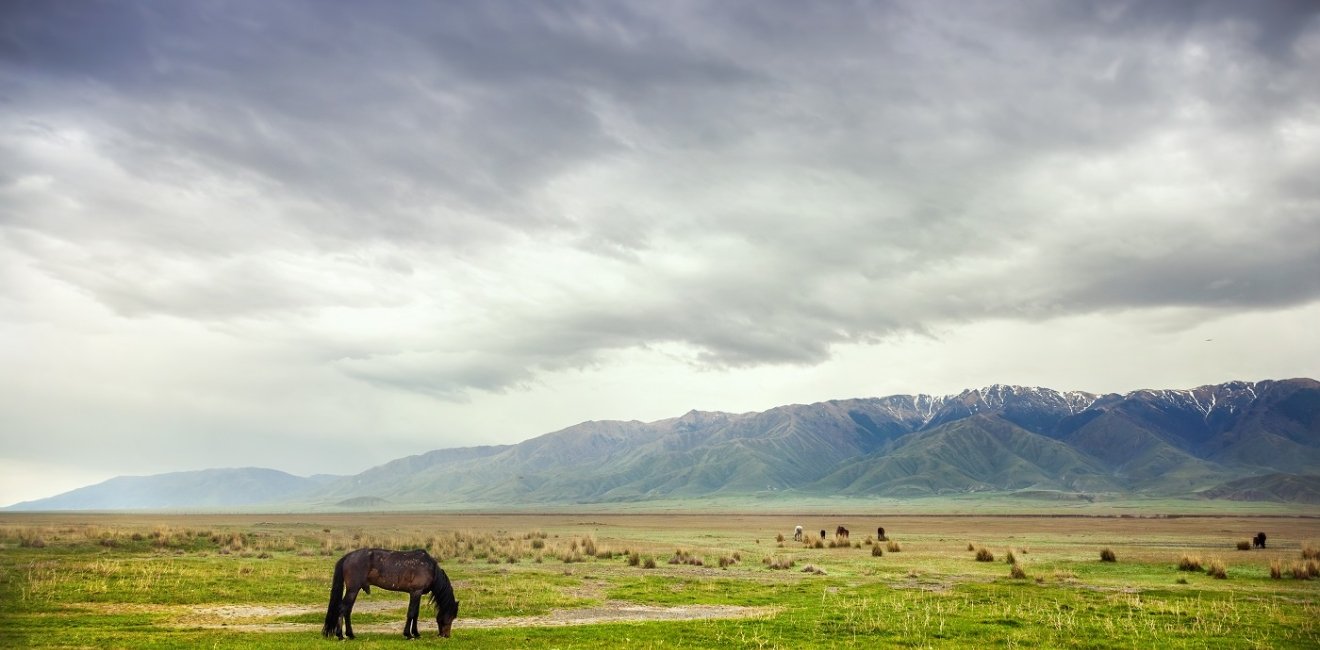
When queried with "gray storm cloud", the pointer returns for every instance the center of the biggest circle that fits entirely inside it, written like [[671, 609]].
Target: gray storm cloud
[[444, 198]]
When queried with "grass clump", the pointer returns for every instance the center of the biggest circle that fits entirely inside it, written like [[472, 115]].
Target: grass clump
[[983, 554], [1010, 558], [1306, 570], [649, 563], [777, 562], [1299, 571], [1107, 555], [31, 539], [1276, 569], [893, 547], [1016, 572], [1215, 569], [1310, 552], [1189, 563], [1244, 545], [876, 551]]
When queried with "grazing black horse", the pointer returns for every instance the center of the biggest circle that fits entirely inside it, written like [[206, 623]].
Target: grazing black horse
[[412, 571], [1259, 540], [841, 532], [880, 534]]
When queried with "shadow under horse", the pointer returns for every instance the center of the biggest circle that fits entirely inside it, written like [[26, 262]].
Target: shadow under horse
[[414, 572]]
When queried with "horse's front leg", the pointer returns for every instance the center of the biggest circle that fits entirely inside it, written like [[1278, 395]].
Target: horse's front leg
[[414, 609], [347, 608]]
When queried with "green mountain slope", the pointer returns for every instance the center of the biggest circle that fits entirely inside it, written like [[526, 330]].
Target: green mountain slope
[[978, 453]]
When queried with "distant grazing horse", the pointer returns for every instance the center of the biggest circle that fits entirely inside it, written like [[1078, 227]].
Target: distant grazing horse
[[841, 532], [822, 534], [412, 571], [797, 534], [880, 534], [1259, 540]]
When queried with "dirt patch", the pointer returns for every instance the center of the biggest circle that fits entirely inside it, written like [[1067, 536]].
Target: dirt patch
[[231, 612], [609, 612], [935, 587], [621, 612]]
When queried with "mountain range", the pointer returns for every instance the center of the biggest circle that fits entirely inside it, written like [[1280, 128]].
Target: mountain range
[[1237, 440]]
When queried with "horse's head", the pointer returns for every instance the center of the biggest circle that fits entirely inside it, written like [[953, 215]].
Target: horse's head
[[444, 618]]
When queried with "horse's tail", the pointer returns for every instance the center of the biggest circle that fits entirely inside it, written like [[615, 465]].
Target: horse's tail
[[336, 597]]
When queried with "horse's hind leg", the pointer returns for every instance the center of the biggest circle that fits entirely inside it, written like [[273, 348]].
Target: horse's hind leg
[[347, 608], [410, 625]]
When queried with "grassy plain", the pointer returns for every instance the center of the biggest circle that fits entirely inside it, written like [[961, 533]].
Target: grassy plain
[[581, 580]]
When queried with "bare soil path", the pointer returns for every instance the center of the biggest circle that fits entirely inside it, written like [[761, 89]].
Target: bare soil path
[[210, 617]]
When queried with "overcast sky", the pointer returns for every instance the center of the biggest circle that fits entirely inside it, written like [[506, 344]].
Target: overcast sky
[[320, 236]]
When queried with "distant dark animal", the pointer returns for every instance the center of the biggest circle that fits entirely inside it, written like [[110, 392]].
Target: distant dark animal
[[414, 572], [1259, 540], [880, 534], [841, 532], [822, 534], [797, 534]]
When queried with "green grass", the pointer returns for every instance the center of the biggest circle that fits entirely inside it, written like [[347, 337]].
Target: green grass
[[178, 590]]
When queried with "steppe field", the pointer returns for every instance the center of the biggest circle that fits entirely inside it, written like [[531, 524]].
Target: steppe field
[[676, 581]]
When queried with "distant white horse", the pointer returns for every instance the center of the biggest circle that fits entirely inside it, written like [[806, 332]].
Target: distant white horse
[[797, 534]]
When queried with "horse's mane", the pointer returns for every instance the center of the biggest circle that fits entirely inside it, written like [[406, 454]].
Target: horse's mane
[[442, 592]]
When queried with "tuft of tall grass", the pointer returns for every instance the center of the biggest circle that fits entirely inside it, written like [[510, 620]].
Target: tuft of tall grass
[[1107, 555], [1215, 569], [31, 538], [1016, 572], [1299, 571], [1276, 569], [1244, 545], [983, 554], [1189, 563], [1010, 558], [876, 551], [893, 547]]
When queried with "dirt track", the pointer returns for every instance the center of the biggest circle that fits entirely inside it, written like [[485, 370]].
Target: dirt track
[[609, 612]]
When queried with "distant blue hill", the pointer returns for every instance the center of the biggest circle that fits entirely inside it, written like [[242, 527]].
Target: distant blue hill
[[208, 489]]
